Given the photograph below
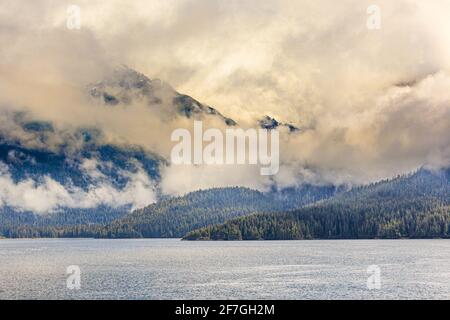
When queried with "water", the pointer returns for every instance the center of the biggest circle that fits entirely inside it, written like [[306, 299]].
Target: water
[[174, 269]]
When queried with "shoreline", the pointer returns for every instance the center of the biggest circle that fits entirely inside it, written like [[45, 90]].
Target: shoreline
[[211, 240]]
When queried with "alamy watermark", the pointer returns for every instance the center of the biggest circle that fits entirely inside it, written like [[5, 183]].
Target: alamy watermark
[[73, 21], [73, 281], [374, 19], [233, 147], [374, 280]]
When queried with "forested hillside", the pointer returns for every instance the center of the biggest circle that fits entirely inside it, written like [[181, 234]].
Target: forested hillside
[[67, 223], [174, 217], [170, 217], [412, 206]]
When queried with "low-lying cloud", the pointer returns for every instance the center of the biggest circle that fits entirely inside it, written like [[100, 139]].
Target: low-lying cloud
[[370, 103], [47, 195]]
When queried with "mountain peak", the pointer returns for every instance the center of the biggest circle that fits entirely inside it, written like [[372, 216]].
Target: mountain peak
[[270, 123], [125, 85]]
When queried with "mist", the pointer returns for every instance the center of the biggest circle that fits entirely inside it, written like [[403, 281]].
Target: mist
[[370, 104]]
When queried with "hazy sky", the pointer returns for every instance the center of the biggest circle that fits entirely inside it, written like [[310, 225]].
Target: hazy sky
[[372, 102]]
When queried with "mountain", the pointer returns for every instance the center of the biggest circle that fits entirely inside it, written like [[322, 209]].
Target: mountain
[[90, 176], [57, 178], [270, 123], [65, 222], [66, 167], [126, 86], [75, 181], [174, 217], [77, 170], [411, 206], [80, 180]]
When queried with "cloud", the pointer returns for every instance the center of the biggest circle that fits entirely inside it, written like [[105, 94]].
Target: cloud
[[181, 179], [371, 103], [47, 195]]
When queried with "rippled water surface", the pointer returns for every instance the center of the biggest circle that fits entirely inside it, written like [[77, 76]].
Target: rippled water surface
[[174, 269]]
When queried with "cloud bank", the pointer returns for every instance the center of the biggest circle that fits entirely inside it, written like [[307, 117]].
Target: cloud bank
[[49, 195], [370, 103]]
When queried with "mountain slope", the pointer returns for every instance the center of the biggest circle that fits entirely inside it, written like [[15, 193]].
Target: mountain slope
[[174, 217], [89, 186], [81, 181], [413, 206], [127, 86], [270, 123], [170, 217], [47, 170]]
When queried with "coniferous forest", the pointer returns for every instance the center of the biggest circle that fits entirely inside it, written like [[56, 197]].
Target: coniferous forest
[[413, 206], [410, 206], [168, 218]]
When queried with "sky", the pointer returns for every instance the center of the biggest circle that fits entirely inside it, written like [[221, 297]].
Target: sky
[[371, 103]]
